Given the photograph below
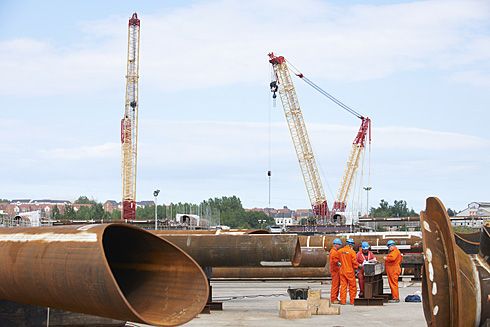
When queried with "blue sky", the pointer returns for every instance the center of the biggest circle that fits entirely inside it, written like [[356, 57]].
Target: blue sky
[[419, 69]]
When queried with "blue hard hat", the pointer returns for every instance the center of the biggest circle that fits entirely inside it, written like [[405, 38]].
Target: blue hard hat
[[350, 241], [365, 245], [337, 241], [390, 243]]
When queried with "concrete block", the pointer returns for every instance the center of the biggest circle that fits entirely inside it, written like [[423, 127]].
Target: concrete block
[[293, 305], [294, 309], [314, 294], [294, 314], [326, 309], [322, 307]]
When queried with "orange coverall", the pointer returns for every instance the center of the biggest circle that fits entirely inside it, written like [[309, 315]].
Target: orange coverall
[[335, 273], [361, 257], [348, 263], [393, 270]]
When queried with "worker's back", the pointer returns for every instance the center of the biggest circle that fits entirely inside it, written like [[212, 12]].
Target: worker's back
[[348, 259], [393, 260]]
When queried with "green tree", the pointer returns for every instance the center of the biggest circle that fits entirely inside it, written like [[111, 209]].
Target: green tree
[[115, 215], [69, 213], [398, 209], [55, 213], [84, 200]]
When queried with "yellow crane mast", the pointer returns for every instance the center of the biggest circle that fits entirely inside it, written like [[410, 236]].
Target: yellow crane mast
[[358, 147], [129, 123], [299, 135]]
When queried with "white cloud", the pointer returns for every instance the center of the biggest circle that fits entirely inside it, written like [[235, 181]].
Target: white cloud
[[215, 43], [106, 150]]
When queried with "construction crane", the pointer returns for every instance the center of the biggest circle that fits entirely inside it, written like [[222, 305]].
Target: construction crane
[[297, 128], [283, 84], [129, 123], [352, 165]]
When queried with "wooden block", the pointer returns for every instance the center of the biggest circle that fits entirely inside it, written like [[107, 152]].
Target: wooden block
[[314, 294], [293, 305]]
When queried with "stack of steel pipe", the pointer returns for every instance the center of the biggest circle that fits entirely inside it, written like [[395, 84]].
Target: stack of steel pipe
[[238, 250], [455, 285], [115, 271], [213, 232], [406, 242]]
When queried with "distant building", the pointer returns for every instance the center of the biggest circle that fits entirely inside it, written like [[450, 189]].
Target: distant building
[[473, 216], [44, 206], [111, 205]]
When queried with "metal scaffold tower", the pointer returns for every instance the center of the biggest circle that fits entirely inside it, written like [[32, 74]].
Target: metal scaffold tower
[[129, 123]]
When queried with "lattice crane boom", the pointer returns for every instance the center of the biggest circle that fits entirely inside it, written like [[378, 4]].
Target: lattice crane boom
[[358, 147], [129, 123], [299, 135]]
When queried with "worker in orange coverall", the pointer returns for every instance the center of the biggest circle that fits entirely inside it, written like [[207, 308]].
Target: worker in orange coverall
[[364, 255], [348, 264], [335, 270], [393, 269]]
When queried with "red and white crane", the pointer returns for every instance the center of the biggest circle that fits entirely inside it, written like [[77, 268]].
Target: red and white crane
[[129, 123], [283, 84]]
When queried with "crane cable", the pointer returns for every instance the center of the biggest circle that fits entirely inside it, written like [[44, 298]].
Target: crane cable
[[297, 72]]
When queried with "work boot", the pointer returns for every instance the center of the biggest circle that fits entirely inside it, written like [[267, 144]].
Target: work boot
[[394, 301], [335, 302]]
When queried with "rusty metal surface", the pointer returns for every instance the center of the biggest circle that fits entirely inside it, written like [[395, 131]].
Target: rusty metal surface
[[22, 315], [113, 270], [239, 250], [405, 242], [484, 251], [313, 257], [210, 232], [455, 285], [468, 242], [243, 273]]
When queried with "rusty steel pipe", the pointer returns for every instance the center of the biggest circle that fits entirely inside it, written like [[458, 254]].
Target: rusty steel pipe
[[239, 250], [113, 270], [211, 232], [313, 257], [243, 273], [455, 285], [405, 242]]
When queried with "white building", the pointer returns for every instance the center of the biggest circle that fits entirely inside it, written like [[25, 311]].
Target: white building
[[283, 221], [473, 216]]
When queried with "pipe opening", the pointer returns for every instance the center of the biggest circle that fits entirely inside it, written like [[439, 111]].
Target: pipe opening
[[297, 255], [161, 283]]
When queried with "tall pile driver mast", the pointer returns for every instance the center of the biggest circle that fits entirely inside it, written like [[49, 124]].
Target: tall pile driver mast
[[297, 128], [129, 123]]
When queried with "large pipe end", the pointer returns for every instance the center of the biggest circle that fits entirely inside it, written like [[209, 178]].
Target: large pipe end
[[160, 283]]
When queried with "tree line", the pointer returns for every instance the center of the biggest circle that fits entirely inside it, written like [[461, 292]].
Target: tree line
[[225, 210]]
